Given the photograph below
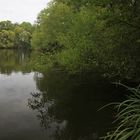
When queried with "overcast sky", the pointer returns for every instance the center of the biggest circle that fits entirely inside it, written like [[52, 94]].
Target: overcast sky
[[21, 10]]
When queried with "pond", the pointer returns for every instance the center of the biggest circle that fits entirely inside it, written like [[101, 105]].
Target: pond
[[51, 105]]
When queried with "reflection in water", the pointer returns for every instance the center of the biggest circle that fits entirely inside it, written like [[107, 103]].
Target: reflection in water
[[42, 105], [14, 60], [68, 105], [17, 121]]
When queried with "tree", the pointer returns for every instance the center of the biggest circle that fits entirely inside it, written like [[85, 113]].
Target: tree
[[102, 34], [50, 23], [7, 39], [6, 25], [22, 37], [14, 35]]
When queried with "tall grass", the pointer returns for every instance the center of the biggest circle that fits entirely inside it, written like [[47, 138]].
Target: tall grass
[[128, 118]]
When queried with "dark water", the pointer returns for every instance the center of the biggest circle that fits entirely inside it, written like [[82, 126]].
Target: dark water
[[51, 106]]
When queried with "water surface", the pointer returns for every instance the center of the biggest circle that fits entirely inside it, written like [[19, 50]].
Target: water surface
[[51, 106]]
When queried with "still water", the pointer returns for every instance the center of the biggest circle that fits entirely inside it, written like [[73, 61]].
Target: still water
[[51, 106]]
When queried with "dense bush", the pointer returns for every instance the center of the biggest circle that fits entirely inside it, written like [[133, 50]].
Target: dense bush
[[88, 34]]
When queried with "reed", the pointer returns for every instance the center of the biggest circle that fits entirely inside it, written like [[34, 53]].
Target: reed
[[128, 118]]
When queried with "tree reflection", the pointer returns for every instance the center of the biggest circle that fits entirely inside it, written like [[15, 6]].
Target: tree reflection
[[14, 61], [40, 103], [67, 105]]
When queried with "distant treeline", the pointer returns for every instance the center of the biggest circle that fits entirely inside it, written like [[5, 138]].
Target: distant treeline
[[14, 35]]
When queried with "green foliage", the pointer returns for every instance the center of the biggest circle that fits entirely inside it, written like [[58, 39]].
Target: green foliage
[[60, 24], [40, 61], [15, 35], [86, 34], [6, 25], [22, 37], [51, 22], [7, 39], [27, 26], [128, 117], [82, 41]]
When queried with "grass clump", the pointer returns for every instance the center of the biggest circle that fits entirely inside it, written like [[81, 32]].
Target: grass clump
[[128, 118]]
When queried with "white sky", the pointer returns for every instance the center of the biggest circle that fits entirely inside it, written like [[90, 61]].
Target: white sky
[[21, 10]]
